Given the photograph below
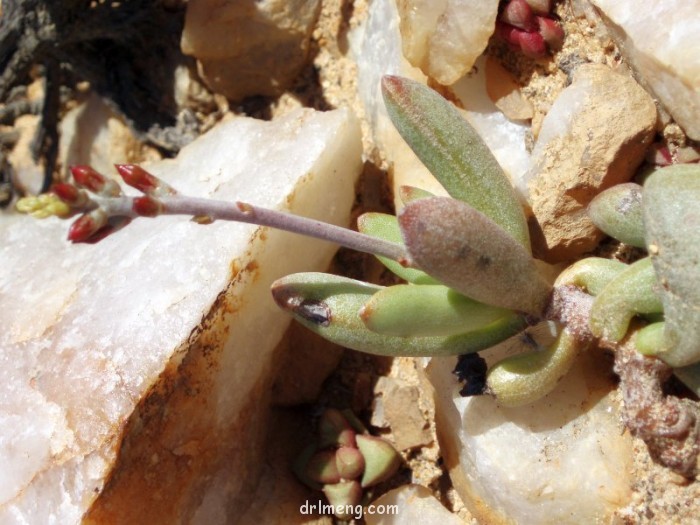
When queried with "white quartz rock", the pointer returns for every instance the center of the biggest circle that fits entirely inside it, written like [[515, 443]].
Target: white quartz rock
[[134, 372], [662, 43], [561, 460], [407, 505], [445, 37]]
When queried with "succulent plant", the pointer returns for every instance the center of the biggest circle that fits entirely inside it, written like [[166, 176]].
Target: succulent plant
[[528, 26], [345, 460], [472, 281]]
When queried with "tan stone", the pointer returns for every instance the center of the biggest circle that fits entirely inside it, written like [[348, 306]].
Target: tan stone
[[594, 137], [249, 48], [401, 411], [667, 60]]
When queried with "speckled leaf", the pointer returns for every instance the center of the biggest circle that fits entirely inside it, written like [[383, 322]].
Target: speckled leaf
[[618, 212], [329, 305], [454, 153], [470, 253], [631, 292], [431, 310], [386, 227], [672, 223]]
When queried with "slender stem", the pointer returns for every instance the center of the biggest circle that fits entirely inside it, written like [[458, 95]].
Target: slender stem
[[243, 212]]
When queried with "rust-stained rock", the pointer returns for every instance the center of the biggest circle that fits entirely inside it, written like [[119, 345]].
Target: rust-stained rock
[[306, 360], [135, 373], [249, 47], [594, 137]]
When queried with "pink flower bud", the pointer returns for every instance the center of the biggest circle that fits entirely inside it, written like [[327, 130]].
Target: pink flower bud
[[532, 44], [540, 7], [508, 33], [519, 14], [551, 31]]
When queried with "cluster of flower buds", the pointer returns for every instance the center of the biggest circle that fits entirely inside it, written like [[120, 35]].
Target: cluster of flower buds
[[527, 25], [345, 460], [99, 200]]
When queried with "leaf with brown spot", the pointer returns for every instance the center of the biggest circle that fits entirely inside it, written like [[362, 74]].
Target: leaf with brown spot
[[470, 253]]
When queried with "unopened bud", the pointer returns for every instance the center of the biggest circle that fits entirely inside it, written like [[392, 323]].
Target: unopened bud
[[137, 177], [350, 462], [532, 44], [87, 225], [519, 14], [551, 31], [94, 181], [381, 459]]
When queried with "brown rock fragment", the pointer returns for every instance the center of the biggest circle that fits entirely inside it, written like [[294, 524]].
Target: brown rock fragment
[[594, 137], [248, 47], [401, 410]]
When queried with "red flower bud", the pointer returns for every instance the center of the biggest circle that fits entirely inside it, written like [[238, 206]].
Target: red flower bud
[[88, 178], [66, 192], [139, 178], [87, 225], [147, 206]]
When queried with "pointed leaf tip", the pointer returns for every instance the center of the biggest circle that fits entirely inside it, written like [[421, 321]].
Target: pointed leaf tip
[[454, 153]]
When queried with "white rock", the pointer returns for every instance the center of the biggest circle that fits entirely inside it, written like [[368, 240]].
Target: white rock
[[93, 134], [249, 48], [408, 505], [134, 372], [661, 41], [505, 138], [561, 460], [445, 37]]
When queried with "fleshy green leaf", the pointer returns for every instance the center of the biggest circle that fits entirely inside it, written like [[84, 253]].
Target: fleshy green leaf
[[329, 305], [618, 212], [454, 153], [525, 378], [467, 251], [430, 310], [386, 227], [592, 274], [649, 340], [672, 223], [631, 292]]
